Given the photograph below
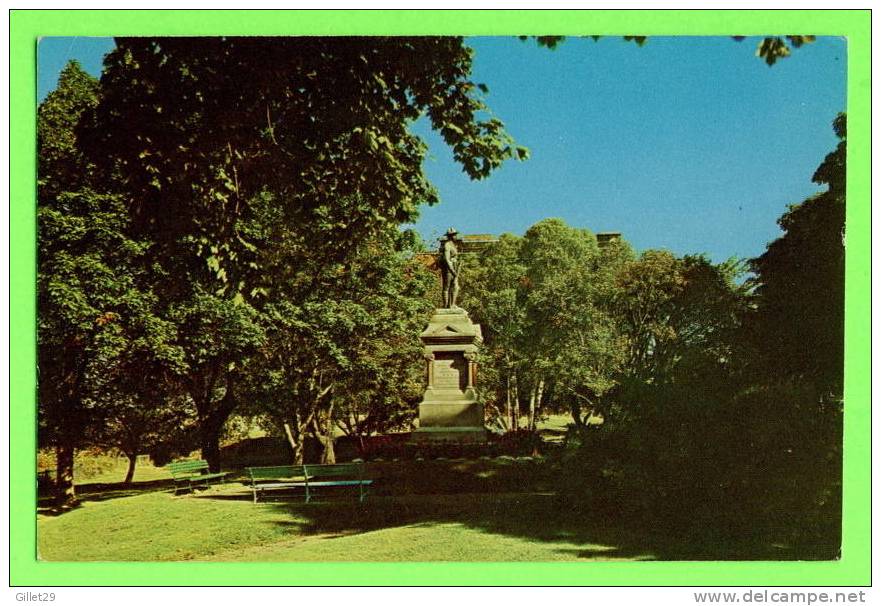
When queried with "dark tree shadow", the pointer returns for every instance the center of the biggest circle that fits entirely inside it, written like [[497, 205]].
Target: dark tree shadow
[[517, 498], [106, 491], [514, 497]]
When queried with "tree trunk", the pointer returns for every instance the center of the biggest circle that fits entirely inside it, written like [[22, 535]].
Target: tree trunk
[[329, 453], [328, 456], [211, 448], [65, 495], [212, 416], [535, 402], [130, 474], [530, 424], [575, 409], [538, 397], [515, 410], [509, 411], [296, 444], [325, 436]]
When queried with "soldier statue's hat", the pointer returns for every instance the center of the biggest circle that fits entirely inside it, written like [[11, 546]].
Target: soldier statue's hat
[[452, 232]]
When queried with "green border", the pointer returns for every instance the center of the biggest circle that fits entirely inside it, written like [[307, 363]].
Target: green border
[[26, 26]]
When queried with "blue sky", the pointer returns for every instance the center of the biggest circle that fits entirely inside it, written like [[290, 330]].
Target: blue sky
[[689, 144]]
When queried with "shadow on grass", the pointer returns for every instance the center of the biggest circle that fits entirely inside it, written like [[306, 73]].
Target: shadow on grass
[[518, 498], [98, 491], [101, 492], [533, 517], [504, 496]]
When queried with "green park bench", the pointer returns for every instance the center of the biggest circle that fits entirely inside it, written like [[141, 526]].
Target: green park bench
[[190, 473], [309, 477]]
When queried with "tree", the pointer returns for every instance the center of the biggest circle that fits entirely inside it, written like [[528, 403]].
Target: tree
[[62, 165], [673, 308], [344, 354], [799, 325], [218, 140], [490, 294], [382, 386], [796, 335], [142, 418], [571, 342], [549, 337], [93, 313], [94, 309], [198, 127], [216, 334]]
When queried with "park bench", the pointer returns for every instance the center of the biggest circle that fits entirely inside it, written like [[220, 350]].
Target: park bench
[[309, 477], [188, 474]]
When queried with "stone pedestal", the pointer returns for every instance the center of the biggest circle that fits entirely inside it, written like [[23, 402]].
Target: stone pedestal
[[449, 408]]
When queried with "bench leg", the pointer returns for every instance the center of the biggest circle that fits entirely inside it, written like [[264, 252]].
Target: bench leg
[[308, 496]]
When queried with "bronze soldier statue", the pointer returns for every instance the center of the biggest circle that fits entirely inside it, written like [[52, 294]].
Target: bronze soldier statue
[[448, 260]]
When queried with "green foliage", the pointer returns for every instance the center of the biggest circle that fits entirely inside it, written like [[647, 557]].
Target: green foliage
[[62, 166], [341, 349], [490, 294], [259, 169], [97, 314], [727, 420], [799, 284], [316, 120], [770, 49], [773, 48], [673, 308], [218, 232], [571, 337], [543, 302], [97, 322], [705, 457]]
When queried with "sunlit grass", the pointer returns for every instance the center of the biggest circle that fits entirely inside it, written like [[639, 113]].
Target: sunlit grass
[[213, 525]]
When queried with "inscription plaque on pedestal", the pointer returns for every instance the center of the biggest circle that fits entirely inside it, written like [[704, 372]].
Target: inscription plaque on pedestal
[[450, 371]]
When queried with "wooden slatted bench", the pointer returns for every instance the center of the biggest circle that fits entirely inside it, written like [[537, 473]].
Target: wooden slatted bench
[[190, 473], [309, 477]]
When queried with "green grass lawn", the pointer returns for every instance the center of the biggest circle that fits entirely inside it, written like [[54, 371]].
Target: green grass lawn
[[501, 509], [216, 525]]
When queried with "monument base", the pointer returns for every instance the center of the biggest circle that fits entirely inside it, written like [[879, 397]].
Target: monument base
[[469, 435], [449, 410]]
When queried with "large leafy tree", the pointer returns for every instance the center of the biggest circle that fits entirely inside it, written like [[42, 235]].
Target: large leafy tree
[[543, 301], [800, 284], [797, 368], [218, 140], [672, 309], [491, 295], [571, 342], [197, 127], [96, 318], [95, 310], [381, 387], [344, 354]]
